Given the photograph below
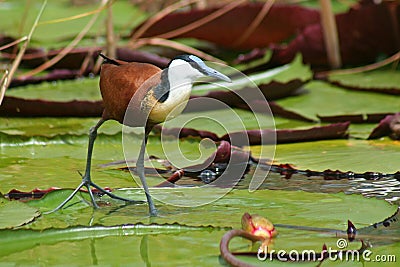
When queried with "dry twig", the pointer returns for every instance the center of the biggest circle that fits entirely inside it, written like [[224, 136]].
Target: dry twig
[[71, 45], [261, 15], [20, 40], [393, 59], [177, 46], [111, 38], [330, 34], [139, 32], [9, 74], [202, 21]]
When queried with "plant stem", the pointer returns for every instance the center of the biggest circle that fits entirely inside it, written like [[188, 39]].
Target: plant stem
[[330, 34], [7, 80], [70, 46], [111, 43]]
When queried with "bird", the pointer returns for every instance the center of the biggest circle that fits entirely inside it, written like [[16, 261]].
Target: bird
[[151, 96]]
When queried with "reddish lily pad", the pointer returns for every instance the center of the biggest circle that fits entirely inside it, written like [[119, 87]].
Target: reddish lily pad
[[35, 193], [361, 37], [54, 75], [389, 126], [17, 107], [281, 22], [258, 137], [70, 66], [278, 110], [267, 136], [359, 118]]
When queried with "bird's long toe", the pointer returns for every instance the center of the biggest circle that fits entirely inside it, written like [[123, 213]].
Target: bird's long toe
[[115, 196]]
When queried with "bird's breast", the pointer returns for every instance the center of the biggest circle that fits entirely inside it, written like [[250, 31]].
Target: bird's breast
[[172, 106]]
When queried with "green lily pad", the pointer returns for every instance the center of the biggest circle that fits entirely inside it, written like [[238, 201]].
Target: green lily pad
[[53, 127], [223, 121], [45, 162], [344, 155], [255, 62], [81, 89], [341, 102], [15, 213], [378, 79], [27, 240], [282, 74], [205, 224], [53, 35], [198, 204]]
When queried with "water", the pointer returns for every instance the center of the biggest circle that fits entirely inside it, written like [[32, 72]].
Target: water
[[385, 188]]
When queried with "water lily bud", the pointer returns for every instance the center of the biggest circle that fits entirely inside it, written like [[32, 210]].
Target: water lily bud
[[258, 225], [351, 231]]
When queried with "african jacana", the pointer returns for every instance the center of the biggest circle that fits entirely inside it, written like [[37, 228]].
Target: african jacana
[[119, 85]]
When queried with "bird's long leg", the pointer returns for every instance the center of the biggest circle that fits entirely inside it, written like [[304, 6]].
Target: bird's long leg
[[140, 170], [86, 179]]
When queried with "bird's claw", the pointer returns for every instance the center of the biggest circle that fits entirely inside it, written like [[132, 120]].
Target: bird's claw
[[86, 181]]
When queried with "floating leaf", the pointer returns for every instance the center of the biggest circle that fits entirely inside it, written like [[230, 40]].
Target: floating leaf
[[344, 155], [281, 22], [361, 38], [61, 91], [25, 128], [82, 98], [15, 213], [222, 121], [358, 118], [16, 107], [79, 98], [70, 66], [294, 214], [332, 131], [270, 82], [35, 154], [235, 203], [341, 102], [54, 75], [27, 240], [56, 35], [380, 81]]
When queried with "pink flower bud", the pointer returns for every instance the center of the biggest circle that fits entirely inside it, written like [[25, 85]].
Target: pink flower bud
[[258, 225]]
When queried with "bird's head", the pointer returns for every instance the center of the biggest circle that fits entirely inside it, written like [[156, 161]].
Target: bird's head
[[190, 67]]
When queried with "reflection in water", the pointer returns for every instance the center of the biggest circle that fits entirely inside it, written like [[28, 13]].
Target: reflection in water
[[93, 251], [388, 189], [285, 177], [384, 188], [144, 250]]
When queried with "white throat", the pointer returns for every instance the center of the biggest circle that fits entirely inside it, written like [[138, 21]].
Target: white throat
[[181, 73], [181, 76]]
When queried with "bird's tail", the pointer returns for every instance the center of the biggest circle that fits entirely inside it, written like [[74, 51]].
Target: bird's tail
[[108, 60]]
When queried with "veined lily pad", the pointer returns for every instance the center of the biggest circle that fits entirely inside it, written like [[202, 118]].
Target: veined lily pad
[[56, 161], [282, 74], [384, 81], [283, 208], [50, 35], [51, 127], [341, 102], [15, 213], [344, 155], [63, 91]]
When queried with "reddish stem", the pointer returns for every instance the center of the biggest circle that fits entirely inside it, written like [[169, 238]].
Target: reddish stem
[[176, 176]]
